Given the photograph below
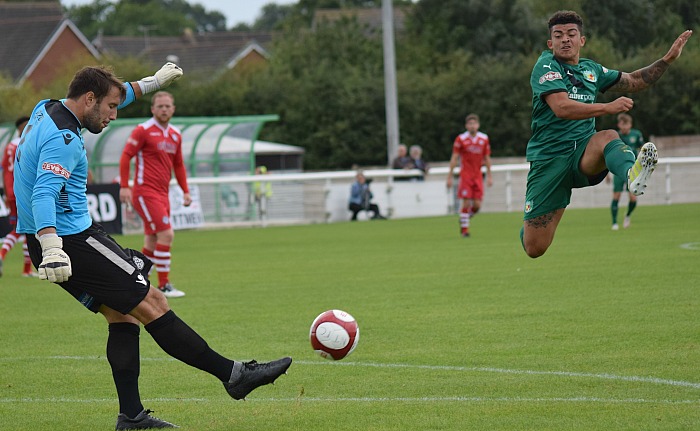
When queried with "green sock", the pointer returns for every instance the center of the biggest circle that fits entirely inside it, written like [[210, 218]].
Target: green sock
[[631, 207], [619, 158], [613, 210]]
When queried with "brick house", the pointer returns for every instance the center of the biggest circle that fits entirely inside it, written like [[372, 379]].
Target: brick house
[[209, 53], [36, 40]]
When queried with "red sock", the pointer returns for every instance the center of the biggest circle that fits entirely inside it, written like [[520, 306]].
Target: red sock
[[464, 217], [27, 259], [161, 258], [9, 242]]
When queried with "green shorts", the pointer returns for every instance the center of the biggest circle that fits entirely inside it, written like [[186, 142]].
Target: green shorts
[[549, 182], [619, 184]]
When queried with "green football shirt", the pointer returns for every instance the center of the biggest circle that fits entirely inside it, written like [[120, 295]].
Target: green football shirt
[[552, 136], [634, 139]]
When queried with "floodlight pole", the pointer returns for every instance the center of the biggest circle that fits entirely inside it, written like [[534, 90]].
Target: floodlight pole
[[391, 103]]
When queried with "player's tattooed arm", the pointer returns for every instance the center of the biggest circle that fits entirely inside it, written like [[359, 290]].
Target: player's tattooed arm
[[641, 78], [646, 76]]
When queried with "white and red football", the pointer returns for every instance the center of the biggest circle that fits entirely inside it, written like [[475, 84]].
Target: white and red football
[[334, 334]]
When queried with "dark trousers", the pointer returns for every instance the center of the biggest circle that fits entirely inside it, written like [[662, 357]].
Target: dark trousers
[[356, 208]]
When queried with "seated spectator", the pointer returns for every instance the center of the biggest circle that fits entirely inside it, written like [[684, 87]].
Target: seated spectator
[[360, 198]]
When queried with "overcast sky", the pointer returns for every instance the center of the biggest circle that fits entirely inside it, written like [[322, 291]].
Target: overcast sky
[[235, 11]]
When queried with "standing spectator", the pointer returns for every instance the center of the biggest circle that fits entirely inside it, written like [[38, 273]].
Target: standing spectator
[[69, 249], [158, 147], [8, 167], [361, 198], [565, 150], [416, 153], [262, 192], [402, 161], [474, 149], [634, 139]]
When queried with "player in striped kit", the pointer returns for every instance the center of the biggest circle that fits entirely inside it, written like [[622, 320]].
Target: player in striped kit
[[474, 149], [12, 238], [157, 147]]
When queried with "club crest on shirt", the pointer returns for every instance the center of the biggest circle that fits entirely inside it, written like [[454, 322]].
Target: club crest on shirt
[[589, 76], [550, 76], [528, 206]]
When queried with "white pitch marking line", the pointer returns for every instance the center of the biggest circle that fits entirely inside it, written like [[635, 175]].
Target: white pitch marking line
[[372, 400], [605, 376]]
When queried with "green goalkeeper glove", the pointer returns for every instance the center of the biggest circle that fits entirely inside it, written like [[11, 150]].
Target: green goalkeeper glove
[[55, 265], [164, 77]]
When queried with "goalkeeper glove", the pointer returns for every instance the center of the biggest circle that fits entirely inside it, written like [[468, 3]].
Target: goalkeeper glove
[[55, 265], [164, 77]]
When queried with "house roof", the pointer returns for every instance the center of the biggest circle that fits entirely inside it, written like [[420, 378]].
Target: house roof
[[206, 51], [34, 27], [371, 17]]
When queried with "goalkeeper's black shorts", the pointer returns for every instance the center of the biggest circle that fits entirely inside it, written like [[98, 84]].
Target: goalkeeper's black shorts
[[103, 271]]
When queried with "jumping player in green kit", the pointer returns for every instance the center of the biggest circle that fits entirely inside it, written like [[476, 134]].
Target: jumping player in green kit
[[565, 151]]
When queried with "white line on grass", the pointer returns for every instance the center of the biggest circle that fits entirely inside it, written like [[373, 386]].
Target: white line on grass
[[371, 400], [605, 376], [691, 246]]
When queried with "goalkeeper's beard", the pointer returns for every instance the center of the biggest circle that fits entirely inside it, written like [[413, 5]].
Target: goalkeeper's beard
[[91, 120]]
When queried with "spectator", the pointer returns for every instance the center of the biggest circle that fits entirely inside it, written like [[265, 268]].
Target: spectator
[[361, 197], [402, 161], [262, 192], [416, 153]]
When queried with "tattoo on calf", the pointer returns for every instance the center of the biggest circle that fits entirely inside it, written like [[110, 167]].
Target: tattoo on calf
[[541, 221]]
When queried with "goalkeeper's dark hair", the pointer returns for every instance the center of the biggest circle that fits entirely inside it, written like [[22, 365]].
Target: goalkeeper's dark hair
[[565, 17], [98, 79]]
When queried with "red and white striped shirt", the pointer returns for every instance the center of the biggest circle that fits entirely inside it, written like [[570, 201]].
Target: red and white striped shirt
[[158, 152], [472, 150]]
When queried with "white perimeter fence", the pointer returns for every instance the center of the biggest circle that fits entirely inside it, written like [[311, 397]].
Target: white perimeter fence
[[322, 197]]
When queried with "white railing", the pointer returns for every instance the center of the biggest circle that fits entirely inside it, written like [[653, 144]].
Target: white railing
[[322, 196]]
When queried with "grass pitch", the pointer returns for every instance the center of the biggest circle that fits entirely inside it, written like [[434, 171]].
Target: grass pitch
[[601, 333]]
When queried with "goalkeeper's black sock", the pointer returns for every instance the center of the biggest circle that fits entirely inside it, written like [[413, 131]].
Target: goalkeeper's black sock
[[123, 357], [181, 342]]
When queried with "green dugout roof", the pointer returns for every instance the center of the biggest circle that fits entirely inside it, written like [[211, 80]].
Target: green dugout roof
[[206, 144]]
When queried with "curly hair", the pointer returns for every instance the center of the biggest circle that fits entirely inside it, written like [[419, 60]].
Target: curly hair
[[565, 17]]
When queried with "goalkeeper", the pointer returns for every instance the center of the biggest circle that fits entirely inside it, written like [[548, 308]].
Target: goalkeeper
[[51, 169]]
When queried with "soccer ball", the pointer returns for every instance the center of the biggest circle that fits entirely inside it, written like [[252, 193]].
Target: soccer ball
[[334, 334]]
